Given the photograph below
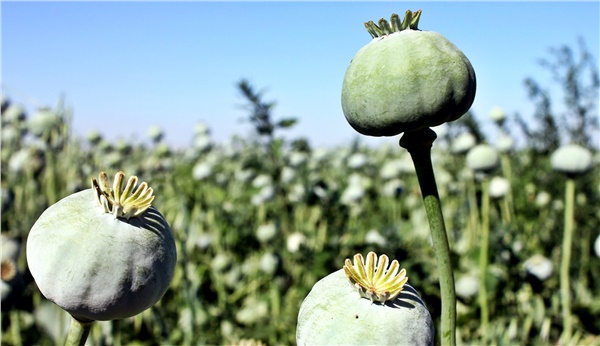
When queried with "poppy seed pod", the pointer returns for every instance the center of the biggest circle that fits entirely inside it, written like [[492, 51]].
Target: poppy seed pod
[[571, 159], [13, 282], [482, 158], [13, 113], [406, 79], [467, 286], [505, 143], [43, 121], [103, 253], [497, 115], [539, 266], [499, 187], [155, 133], [393, 313], [463, 143]]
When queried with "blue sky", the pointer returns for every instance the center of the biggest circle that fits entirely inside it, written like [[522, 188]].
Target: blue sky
[[125, 66]]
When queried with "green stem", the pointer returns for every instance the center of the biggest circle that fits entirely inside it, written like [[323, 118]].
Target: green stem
[[483, 257], [507, 173], [78, 332], [418, 144], [505, 210], [15, 327], [565, 289], [473, 211]]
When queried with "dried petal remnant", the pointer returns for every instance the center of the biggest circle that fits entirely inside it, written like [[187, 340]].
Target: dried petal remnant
[[122, 201], [377, 283]]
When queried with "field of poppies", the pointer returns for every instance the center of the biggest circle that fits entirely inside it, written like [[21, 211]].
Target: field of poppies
[[258, 220]]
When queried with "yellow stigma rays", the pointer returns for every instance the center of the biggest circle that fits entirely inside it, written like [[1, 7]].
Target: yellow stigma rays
[[377, 283], [122, 201]]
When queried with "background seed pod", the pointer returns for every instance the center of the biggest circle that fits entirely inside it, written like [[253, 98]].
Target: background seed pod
[[571, 159]]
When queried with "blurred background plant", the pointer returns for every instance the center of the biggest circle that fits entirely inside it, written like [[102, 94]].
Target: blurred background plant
[[259, 219]]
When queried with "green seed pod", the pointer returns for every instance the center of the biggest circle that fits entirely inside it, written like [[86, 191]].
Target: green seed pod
[[103, 253], [94, 137], [43, 121], [406, 79], [483, 158], [499, 187], [13, 282], [498, 115], [13, 113], [539, 267], [505, 143], [155, 133], [467, 286], [393, 313], [463, 143], [571, 159]]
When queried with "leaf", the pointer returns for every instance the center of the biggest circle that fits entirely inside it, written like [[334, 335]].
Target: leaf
[[286, 123]]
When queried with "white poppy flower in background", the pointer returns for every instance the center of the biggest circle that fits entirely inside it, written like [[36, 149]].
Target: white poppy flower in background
[[499, 187], [202, 142], [93, 136], [393, 188], [201, 170], [571, 159], [539, 266], [19, 160], [391, 169], [319, 154], [14, 113], [268, 263], [266, 232], [42, 121], [296, 193], [374, 237], [243, 175], [297, 158], [497, 115], [542, 199], [483, 158], [355, 189], [261, 180], [203, 240], [463, 143], [467, 286], [265, 194], [352, 194], [155, 133], [406, 164], [220, 261], [287, 174], [294, 241], [504, 143], [357, 160], [201, 129]]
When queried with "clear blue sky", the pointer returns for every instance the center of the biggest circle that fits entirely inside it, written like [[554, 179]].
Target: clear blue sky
[[124, 66]]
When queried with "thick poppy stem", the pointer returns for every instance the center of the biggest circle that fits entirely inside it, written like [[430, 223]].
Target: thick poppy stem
[[418, 144], [565, 261], [78, 332]]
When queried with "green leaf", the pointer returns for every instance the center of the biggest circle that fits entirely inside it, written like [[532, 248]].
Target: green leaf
[[285, 123]]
